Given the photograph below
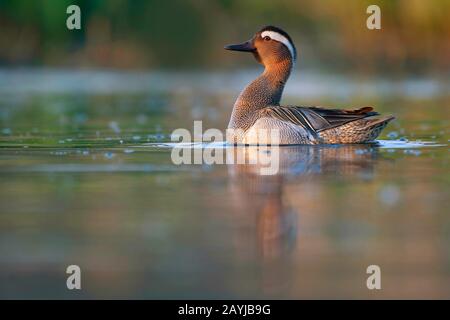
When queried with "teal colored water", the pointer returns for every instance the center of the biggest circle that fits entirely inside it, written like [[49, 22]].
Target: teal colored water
[[86, 178]]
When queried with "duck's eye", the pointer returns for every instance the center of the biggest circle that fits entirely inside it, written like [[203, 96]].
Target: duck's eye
[[267, 38]]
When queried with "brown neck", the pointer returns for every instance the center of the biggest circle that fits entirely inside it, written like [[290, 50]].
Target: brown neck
[[266, 90], [277, 74]]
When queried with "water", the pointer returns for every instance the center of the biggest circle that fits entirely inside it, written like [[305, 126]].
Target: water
[[87, 179]]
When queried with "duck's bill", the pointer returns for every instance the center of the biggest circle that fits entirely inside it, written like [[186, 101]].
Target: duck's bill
[[246, 47]]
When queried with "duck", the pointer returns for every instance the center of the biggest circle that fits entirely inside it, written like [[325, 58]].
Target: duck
[[257, 109]]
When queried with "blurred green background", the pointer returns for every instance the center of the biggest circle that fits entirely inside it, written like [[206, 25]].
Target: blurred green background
[[330, 34]]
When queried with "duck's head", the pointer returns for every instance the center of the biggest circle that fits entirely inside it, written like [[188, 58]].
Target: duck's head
[[270, 45]]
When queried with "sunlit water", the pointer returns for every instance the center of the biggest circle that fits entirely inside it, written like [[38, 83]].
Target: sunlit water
[[87, 178]]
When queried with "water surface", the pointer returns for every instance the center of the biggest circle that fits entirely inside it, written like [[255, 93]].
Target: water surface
[[87, 179]]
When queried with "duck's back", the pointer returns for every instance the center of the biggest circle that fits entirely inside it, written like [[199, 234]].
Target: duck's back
[[315, 125]]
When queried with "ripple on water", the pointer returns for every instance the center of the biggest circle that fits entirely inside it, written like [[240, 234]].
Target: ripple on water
[[381, 144], [408, 147]]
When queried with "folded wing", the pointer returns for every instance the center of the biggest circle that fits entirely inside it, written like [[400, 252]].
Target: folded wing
[[316, 119]]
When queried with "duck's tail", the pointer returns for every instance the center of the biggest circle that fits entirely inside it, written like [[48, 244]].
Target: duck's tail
[[359, 131]]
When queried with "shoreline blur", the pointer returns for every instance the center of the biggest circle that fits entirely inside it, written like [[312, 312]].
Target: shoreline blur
[[414, 39]]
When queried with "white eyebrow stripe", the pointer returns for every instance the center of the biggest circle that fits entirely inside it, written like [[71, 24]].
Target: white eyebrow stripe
[[280, 38]]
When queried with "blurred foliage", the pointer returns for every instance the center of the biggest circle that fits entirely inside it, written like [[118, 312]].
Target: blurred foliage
[[415, 35]]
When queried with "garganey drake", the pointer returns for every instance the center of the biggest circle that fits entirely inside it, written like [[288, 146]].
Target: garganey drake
[[258, 105]]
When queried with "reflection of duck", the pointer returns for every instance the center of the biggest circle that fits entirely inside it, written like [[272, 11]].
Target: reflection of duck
[[307, 160], [266, 203], [258, 110]]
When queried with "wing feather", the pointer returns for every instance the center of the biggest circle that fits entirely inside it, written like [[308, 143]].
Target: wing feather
[[316, 119]]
